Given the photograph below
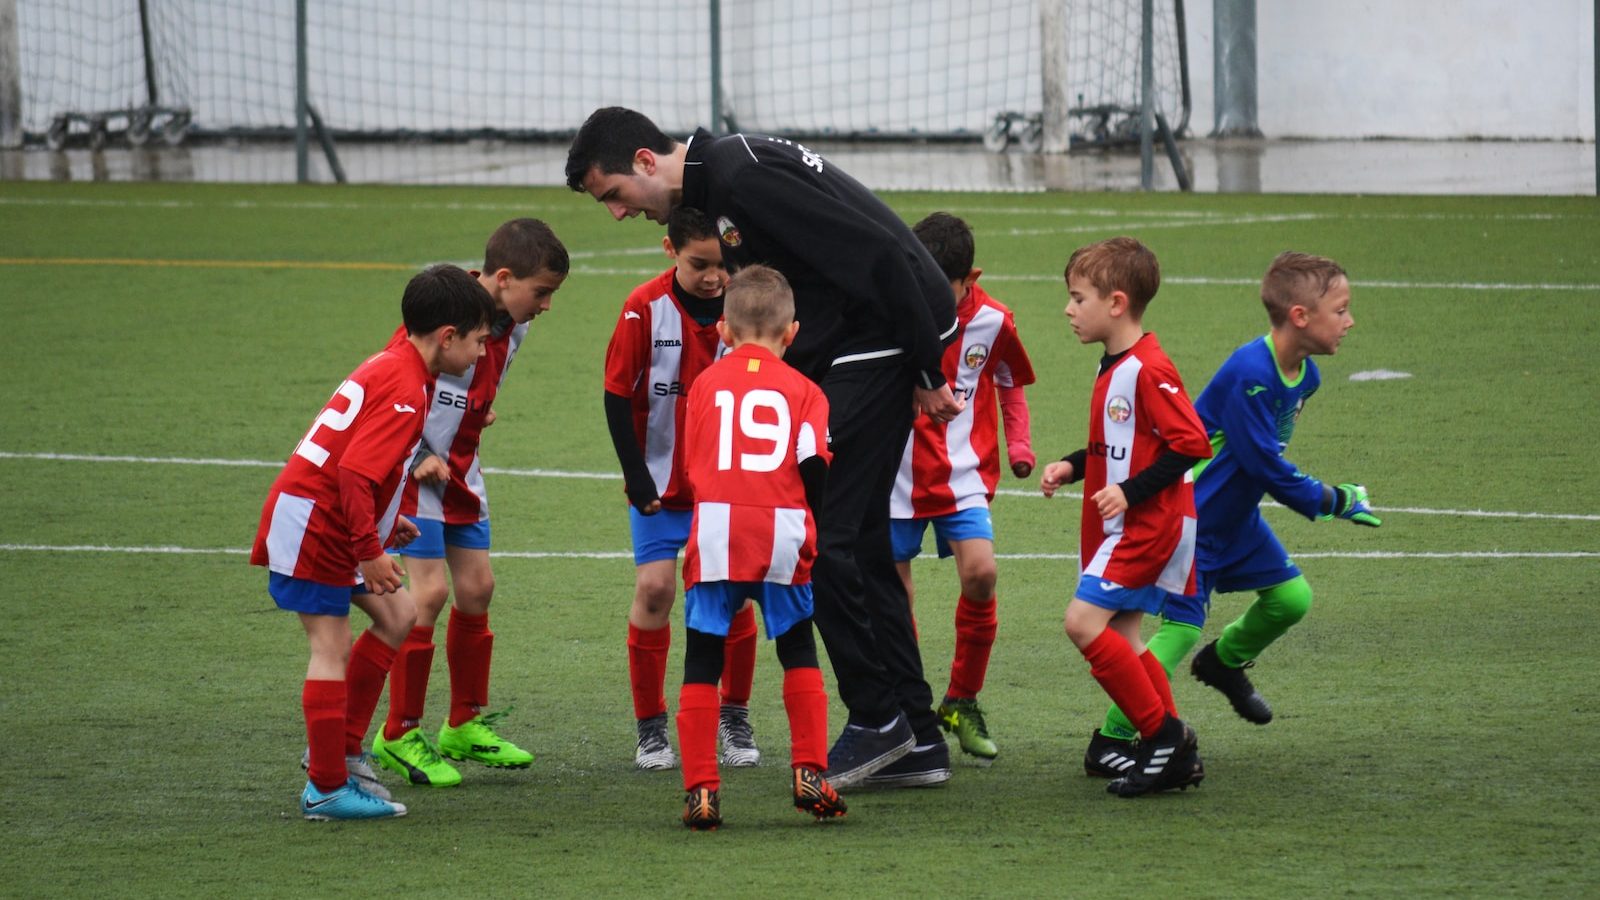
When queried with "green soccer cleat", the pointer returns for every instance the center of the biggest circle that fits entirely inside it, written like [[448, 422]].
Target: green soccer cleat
[[476, 740], [415, 757], [964, 719]]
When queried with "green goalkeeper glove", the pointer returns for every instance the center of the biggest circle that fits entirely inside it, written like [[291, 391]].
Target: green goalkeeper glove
[[1350, 502]]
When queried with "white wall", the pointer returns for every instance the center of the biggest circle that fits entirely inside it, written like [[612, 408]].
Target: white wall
[[1413, 68]]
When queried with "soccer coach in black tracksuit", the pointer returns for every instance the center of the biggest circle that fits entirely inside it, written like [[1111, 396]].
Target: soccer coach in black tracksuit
[[875, 314]]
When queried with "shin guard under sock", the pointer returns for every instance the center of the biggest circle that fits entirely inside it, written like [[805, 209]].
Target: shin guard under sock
[[370, 661], [698, 712], [408, 682], [324, 705], [468, 649]]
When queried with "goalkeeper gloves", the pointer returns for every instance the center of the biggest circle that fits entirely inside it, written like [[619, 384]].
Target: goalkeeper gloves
[[1350, 502]]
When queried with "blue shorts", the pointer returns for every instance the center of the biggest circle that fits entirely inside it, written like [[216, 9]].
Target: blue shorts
[[435, 535], [710, 605], [1263, 563], [1110, 595], [311, 597], [962, 525], [660, 536]]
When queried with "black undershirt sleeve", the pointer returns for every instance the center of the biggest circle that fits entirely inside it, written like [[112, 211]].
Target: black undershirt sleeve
[[1167, 468], [1077, 458], [636, 480], [814, 475]]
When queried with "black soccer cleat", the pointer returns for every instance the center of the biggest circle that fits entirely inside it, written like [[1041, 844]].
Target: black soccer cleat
[[1109, 757], [702, 810], [1160, 757], [1208, 669]]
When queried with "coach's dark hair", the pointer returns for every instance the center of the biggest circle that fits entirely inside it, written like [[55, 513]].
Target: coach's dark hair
[[443, 295], [526, 247], [685, 224], [949, 242], [608, 140]]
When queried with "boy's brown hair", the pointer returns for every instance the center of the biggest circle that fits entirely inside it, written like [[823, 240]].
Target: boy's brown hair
[[1297, 279], [1118, 264], [758, 303], [526, 247]]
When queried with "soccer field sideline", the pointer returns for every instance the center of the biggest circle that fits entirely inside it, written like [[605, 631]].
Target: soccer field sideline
[[611, 476]]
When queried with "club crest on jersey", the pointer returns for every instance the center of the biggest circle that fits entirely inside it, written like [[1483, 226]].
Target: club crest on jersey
[[728, 231], [1118, 409], [976, 355]]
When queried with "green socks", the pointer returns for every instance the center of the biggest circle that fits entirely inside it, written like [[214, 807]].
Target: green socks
[[1274, 612]]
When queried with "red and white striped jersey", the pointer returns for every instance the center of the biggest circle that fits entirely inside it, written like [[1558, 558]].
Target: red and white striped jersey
[[455, 428], [1138, 411], [657, 350], [752, 419], [370, 427], [953, 466]]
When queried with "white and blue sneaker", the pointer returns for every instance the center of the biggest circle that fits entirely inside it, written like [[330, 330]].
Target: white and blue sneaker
[[360, 768], [348, 802]]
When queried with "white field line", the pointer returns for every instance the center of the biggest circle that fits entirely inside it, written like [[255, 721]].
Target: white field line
[[1060, 212], [612, 476], [1188, 223], [1359, 283], [169, 550]]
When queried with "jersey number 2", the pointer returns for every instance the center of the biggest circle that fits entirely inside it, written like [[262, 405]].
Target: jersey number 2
[[776, 432], [334, 421]]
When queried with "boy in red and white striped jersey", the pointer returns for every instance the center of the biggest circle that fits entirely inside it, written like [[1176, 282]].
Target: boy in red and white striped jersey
[[329, 515], [948, 476], [524, 265], [1138, 527], [666, 335], [757, 436]]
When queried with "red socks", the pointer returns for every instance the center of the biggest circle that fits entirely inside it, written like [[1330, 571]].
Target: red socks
[[739, 657], [324, 706], [698, 712], [1159, 680], [408, 682], [976, 624], [468, 648], [807, 705], [647, 669], [370, 661], [1113, 664]]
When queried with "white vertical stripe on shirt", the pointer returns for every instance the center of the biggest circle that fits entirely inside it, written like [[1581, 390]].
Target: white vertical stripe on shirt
[[788, 536], [711, 536], [1174, 577], [666, 363], [900, 506], [1119, 436], [290, 515]]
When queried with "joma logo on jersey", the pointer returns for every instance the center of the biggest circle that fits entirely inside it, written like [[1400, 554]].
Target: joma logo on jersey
[[1110, 451], [666, 388], [664, 342], [459, 401]]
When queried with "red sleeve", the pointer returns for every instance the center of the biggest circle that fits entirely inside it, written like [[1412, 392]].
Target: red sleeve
[[359, 506], [1014, 413], [1011, 365], [628, 354], [1169, 410], [389, 424]]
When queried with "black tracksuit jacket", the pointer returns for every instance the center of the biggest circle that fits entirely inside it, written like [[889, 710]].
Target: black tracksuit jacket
[[866, 291]]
